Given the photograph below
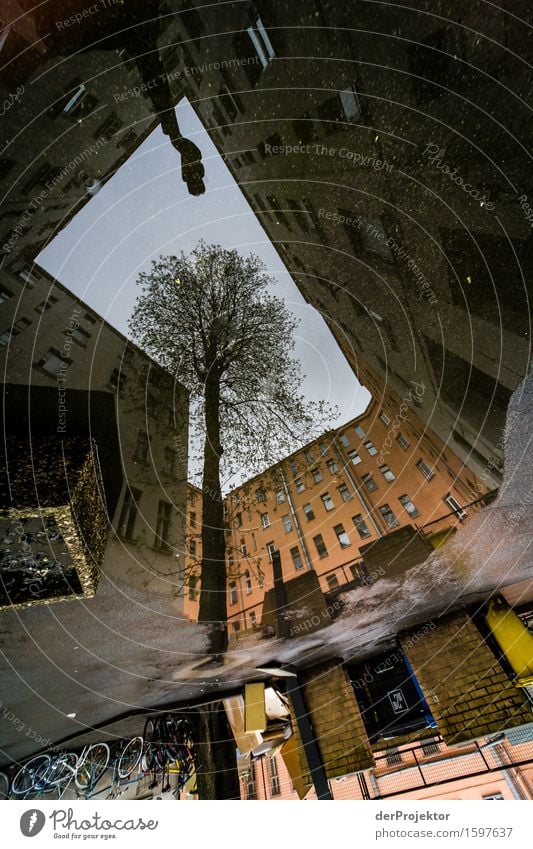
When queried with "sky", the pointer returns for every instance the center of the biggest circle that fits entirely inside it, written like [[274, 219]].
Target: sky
[[145, 210]]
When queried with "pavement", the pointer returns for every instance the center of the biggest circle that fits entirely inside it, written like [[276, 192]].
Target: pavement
[[109, 658]]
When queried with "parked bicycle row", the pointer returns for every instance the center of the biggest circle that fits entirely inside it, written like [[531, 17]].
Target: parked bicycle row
[[106, 770]]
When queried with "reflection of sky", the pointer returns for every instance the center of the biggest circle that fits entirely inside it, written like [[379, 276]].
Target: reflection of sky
[[145, 210]]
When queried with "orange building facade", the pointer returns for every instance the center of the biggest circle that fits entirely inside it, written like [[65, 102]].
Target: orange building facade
[[319, 506]]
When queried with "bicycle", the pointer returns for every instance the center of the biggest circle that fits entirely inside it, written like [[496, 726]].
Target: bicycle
[[4, 786], [126, 756], [168, 751], [53, 773], [45, 774]]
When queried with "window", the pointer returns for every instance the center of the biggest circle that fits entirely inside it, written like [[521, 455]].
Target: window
[[287, 524], [308, 510], [342, 536], [496, 796], [233, 594], [388, 515], [109, 127], [128, 514], [53, 363], [327, 502], [46, 305], [280, 496], [369, 482], [361, 526], [425, 470], [332, 581], [299, 484], [316, 475], [5, 338], [277, 211], [244, 550], [274, 778], [20, 325], [253, 618], [192, 548], [338, 110], [117, 379], [5, 294], [79, 335], [387, 473], [192, 495], [265, 520], [343, 439], [248, 582], [90, 318], [384, 418], [271, 548], [408, 506], [323, 448], [238, 520], [394, 756], [293, 467], [260, 40], [30, 276], [260, 494], [350, 104], [344, 492], [320, 546], [309, 457], [236, 629], [402, 441], [169, 461], [430, 747], [332, 467], [455, 506], [193, 587], [354, 458], [371, 448], [162, 531], [359, 431], [141, 447], [192, 519], [296, 558]]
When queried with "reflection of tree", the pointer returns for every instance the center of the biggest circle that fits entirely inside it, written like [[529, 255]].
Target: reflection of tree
[[210, 320]]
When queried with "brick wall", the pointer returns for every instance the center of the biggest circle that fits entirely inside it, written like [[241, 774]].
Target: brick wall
[[469, 693], [336, 720], [306, 610], [396, 552]]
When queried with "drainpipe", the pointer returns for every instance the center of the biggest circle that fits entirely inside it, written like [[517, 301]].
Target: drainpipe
[[301, 537], [310, 745], [358, 491]]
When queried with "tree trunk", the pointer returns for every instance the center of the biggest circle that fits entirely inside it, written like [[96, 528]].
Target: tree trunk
[[213, 608], [216, 773]]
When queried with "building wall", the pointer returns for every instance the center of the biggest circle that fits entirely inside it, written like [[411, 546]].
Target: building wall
[[396, 782], [273, 497], [55, 160], [372, 230], [468, 691], [42, 317]]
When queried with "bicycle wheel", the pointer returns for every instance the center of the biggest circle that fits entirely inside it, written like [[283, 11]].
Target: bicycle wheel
[[4, 786], [62, 769], [130, 757], [93, 765], [30, 775]]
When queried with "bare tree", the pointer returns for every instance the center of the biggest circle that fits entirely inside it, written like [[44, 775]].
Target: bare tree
[[212, 321]]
